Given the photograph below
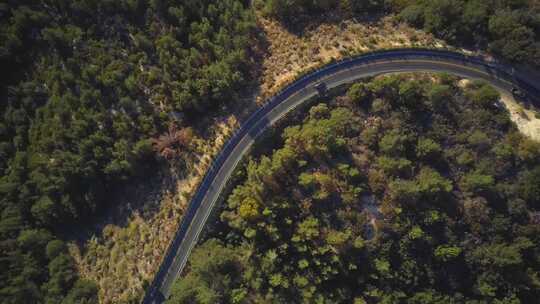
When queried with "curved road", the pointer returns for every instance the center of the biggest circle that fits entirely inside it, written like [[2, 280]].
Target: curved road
[[335, 74]]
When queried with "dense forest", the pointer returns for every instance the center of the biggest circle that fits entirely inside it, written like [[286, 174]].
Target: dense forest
[[507, 28], [86, 87], [401, 189], [94, 93]]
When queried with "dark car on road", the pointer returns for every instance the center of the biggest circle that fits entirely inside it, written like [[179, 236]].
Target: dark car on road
[[321, 88]]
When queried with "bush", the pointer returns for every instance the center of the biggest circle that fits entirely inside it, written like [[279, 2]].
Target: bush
[[439, 96], [379, 106], [442, 18], [83, 292], [528, 150], [446, 253], [503, 151], [485, 96], [530, 187], [394, 166], [427, 149], [413, 14], [358, 93], [393, 143], [55, 248], [404, 191], [476, 182], [479, 139], [431, 183], [465, 158]]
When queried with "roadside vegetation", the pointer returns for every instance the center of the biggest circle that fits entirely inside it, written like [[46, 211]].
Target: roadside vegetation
[[328, 37], [507, 28], [94, 94], [404, 189]]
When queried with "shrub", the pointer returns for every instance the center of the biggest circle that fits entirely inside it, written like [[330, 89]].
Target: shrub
[[485, 96], [427, 149], [530, 187], [528, 150], [393, 143], [476, 182], [394, 166], [431, 183], [358, 93], [413, 14], [446, 253], [438, 95], [55, 248], [479, 140]]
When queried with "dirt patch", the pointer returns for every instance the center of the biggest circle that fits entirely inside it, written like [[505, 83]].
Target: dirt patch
[[526, 120]]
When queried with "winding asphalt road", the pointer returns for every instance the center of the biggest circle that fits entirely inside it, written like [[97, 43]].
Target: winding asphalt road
[[335, 74]]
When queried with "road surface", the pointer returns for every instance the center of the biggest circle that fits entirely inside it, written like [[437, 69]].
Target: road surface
[[335, 74]]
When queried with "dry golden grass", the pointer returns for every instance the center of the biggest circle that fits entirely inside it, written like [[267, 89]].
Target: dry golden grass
[[123, 257], [289, 54]]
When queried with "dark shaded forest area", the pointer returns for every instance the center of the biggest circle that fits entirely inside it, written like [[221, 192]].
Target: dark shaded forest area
[[507, 28], [85, 86], [406, 189]]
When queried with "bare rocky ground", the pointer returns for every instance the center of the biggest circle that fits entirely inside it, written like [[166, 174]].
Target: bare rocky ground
[[527, 120], [122, 256]]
